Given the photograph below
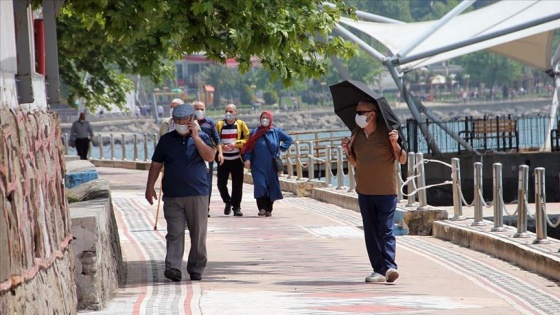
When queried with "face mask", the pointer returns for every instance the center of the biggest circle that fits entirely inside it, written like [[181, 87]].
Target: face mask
[[229, 116], [199, 114], [265, 122], [361, 121], [182, 129], [171, 112]]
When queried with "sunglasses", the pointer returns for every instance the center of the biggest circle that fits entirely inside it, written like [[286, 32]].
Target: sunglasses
[[361, 112]]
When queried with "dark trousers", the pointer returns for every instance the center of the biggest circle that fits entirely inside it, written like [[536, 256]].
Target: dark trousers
[[378, 216], [235, 168], [82, 146], [264, 203]]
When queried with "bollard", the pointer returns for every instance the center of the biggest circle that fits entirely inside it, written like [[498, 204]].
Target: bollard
[[90, 149], [289, 163], [523, 184], [135, 143], [123, 146], [155, 138], [146, 147], [340, 168], [457, 202], [410, 186], [112, 145], [497, 202], [540, 202], [351, 178], [100, 146], [421, 182], [328, 166], [310, 162], [299, 171], [398, 175], [478, 207]]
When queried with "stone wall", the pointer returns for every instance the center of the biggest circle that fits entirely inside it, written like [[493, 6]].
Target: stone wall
[[34, 222]]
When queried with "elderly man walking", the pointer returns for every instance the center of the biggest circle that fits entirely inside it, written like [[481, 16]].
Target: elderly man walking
[[185, 192], [208, 126], [233, 134]]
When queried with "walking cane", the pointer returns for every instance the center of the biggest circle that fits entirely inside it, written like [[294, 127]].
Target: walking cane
[[158, 203]]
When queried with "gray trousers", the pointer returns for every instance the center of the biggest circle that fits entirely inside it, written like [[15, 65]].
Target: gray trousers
[[193, 213]]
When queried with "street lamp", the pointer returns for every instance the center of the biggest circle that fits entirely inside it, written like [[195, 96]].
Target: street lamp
[[323, 84]]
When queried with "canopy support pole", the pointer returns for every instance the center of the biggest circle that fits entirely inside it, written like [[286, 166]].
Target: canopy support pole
[[450, 132], [341, 69], [430, 31], [413, 109], [410, 102], [555, 63]]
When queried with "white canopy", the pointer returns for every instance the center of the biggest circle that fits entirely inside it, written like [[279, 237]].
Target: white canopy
[[530, 45]]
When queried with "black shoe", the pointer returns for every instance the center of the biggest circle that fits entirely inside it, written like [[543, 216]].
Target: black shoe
[[268, 214], [237, 212], [195, 276], [173, 274], [227, 209]]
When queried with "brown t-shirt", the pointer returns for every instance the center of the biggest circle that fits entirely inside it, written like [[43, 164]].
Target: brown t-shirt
[[375, 162]]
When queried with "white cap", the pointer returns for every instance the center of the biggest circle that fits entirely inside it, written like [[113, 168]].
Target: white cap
[[178, 101]]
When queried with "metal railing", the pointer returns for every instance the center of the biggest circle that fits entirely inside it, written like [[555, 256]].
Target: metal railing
[[540, 215], [531, 134], [107, 145], [321, 158]]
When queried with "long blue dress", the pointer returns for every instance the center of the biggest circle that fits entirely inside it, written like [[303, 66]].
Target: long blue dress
[[265, 178]]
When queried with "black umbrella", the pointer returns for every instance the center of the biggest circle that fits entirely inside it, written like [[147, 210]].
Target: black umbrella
[[346, 96]]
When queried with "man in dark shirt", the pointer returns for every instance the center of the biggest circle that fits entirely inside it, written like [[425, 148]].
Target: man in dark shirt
[[208, 126], [80, 136], [185, 191]]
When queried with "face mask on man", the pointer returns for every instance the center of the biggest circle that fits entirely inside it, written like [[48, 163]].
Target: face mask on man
[[229, 116], [265, 122], [361, 120], [199, 114], [183, 130]]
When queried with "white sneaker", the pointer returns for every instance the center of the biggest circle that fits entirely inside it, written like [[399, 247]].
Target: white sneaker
[[392, 275], [375, 277]]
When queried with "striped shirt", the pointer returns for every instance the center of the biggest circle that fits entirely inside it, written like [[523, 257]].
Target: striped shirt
[[229, 135]]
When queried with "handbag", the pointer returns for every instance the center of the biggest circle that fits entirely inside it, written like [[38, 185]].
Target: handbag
[[277, 162]]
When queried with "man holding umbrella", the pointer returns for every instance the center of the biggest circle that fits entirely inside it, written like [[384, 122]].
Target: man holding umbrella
[[373, 149]]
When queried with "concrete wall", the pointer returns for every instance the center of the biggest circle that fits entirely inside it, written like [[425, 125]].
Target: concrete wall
[[35, 252], [99, 264]]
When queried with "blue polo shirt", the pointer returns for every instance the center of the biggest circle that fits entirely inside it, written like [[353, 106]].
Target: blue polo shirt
[[185, 171], [209, 127]]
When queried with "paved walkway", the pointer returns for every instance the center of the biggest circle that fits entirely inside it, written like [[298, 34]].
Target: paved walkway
[[308, 258]]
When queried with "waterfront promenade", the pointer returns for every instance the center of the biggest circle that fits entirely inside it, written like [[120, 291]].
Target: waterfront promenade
[[308, 258]]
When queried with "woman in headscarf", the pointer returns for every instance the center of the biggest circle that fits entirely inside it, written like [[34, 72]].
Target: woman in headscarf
[[265, 142]]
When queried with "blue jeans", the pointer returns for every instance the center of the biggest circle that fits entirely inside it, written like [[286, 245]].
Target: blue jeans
[[378, 216]]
